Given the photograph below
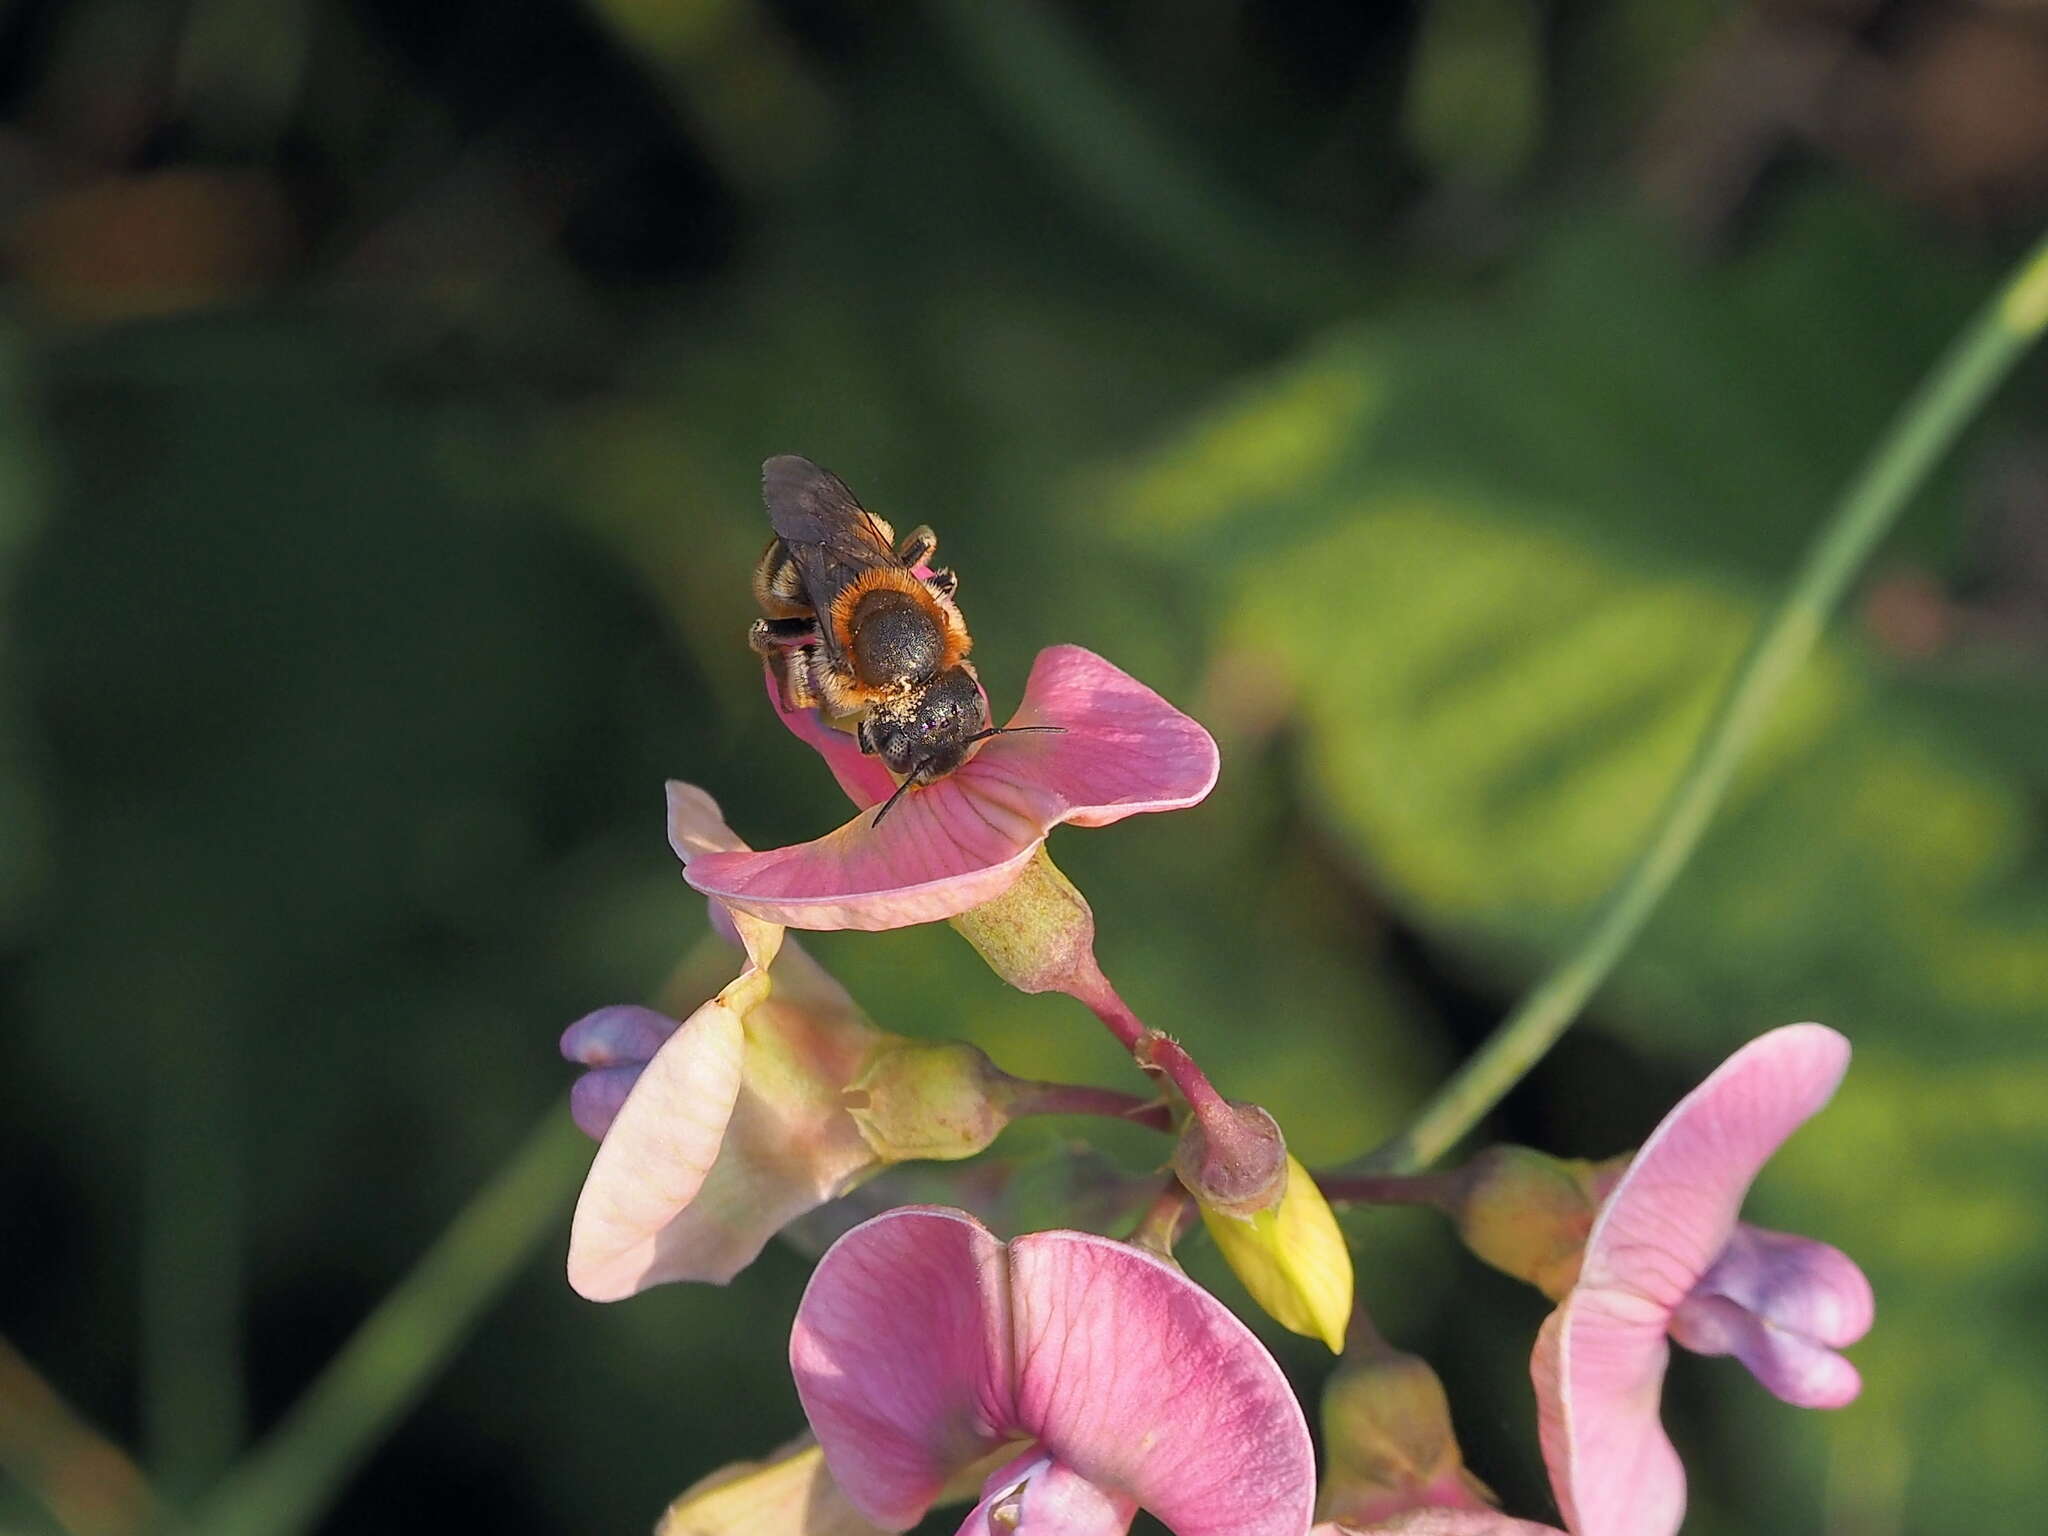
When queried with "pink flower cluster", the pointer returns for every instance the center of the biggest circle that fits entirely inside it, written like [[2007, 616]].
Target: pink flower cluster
[[923, 1344], [1077, 1378]]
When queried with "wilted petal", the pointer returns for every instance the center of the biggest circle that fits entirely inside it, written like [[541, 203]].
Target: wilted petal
[[1035, 1495], [953, 845], [654, 1159], [1140, 1380], [901, 1357]]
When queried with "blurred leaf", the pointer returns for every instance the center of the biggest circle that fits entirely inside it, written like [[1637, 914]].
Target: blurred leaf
[[1475, 91], [22, 831], [1513, 565]]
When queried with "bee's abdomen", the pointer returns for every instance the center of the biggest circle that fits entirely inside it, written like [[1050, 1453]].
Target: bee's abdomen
[[894, 637]]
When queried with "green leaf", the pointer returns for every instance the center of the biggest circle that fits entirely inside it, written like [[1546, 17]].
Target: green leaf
[[1499, 561]]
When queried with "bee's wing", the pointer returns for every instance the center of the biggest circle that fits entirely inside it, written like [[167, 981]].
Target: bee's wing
[[831, 537]]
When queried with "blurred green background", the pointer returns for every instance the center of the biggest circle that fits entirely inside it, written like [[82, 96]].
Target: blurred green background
[[1427, 395]]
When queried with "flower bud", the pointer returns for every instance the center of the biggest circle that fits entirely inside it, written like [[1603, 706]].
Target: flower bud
[[1527, 1214], [1387, 1436], [1291, 1257], [1039, 933], [939, 1099]]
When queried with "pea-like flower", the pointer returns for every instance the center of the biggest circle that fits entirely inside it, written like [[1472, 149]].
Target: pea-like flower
[[923, 1343], [1667, 1259], [719, 1130], [1119, 749]]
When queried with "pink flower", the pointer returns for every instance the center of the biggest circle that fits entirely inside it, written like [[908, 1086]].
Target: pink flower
[[1443, 1522], [950, 846], [1667, 1257], [923, 1343], [721, 1129]]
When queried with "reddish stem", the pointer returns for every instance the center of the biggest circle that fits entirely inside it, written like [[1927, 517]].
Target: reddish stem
[[1165, 1219], [1081, 1099], [1091, 987], [1152, 1050]]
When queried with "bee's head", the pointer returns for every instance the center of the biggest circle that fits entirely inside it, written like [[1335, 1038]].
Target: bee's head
[[926, 733]]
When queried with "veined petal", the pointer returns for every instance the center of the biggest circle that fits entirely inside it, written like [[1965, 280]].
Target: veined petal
[[1598, 1369], [654, 1159], [1141, 1381], [901, 1357], [1036, 1495], [1121, 748], [950, 846], [1674, 1210], [1600, 1360], [941, 852]]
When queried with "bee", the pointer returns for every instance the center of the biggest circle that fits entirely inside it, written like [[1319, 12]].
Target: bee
[[852, 629]]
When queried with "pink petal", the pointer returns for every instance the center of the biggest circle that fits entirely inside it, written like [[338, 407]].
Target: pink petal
[[654, 1158], [1599, 1375], [1599, 1364], [865, 780], [900, 1354], [1123, 749], [1441, 1522], [1674, 1210], [953, 845], [1036, 1495], [1142, 1382], [697, 828]]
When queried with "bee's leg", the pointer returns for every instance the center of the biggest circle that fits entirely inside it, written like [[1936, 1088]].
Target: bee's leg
[[791, 666], [767, 636], [864, 737], [943, 583], [918, 547]]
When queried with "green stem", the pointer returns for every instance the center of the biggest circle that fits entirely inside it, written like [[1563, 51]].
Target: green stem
[[286, 1482], [1923, 431]]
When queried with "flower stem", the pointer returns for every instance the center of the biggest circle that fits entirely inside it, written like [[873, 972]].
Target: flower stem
[[1166, 1218], [1030, 1098], [1438, 1189], [285, 1483], [1926, 426]]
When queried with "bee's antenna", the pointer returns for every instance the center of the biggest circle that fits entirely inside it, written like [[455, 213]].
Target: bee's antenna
[[890, 804], [1011, 730]]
